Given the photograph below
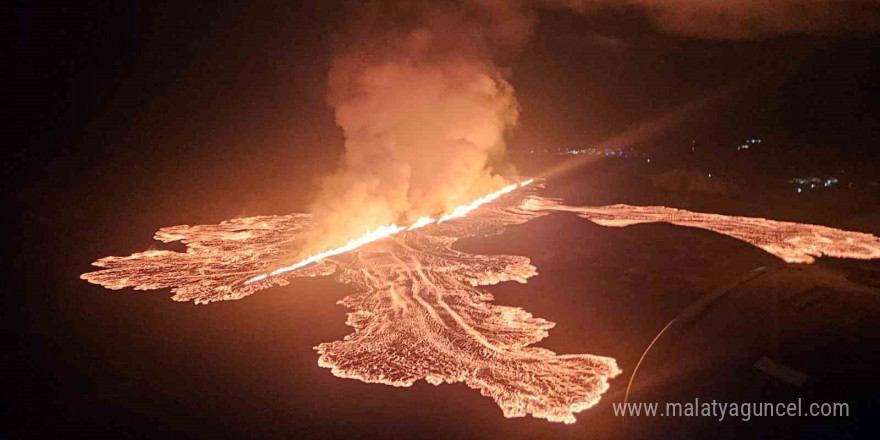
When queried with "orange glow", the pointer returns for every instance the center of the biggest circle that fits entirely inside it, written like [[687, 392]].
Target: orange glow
[[422, 222], [789, 241], [389, 230], [419, 310], [378, 234]]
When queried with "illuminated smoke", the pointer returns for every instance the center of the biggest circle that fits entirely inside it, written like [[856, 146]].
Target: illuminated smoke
[[423, 99], [424, 109]]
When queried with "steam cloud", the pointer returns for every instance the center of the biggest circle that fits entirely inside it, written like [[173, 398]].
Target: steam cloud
[[424, 109], [424, 104]]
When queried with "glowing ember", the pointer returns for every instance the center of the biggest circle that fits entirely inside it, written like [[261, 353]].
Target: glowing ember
[[419, 312]]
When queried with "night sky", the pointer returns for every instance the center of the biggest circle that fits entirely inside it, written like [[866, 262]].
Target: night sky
[[181, 89]]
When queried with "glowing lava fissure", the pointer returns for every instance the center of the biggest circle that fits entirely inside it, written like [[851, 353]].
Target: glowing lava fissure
[[389, 230], [420, 311]]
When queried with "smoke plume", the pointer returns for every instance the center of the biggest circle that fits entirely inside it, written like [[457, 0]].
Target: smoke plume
[[424, 102], [424, 108]]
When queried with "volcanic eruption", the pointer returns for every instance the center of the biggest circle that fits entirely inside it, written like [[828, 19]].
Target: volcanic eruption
[[425, 105], [420, 312], [424, 109]]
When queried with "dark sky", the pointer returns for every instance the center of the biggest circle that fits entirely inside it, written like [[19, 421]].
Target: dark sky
[[137, 95], [187, 92], [588, 78]]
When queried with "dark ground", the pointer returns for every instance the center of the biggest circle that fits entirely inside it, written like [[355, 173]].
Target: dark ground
[[92, 363]]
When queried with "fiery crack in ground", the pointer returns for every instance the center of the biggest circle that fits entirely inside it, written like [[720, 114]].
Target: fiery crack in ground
[[419, 311]]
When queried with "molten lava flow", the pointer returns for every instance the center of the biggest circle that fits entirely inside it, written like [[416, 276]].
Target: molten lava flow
[[389, 230], [792, 242], [419, 310]]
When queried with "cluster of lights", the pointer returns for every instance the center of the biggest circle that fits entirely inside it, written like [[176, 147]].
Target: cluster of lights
[[392, 229], [603, 153], [813, 182], [749, 142]]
